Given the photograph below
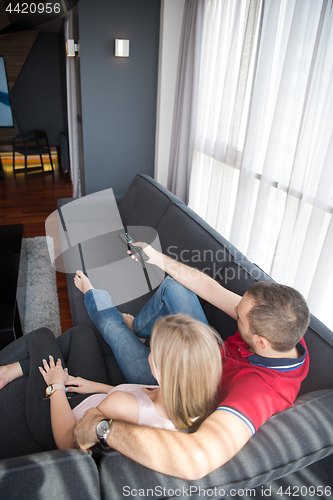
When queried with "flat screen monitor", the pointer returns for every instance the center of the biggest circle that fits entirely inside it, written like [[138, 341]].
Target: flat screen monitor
[[6, 114]]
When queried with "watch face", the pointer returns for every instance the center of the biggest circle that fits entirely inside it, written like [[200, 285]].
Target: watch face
[[103, 429], [49, 390]]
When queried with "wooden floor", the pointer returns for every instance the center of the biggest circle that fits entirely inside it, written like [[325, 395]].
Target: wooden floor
[[29, 200]]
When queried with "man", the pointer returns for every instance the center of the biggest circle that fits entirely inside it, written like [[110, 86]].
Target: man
[[264, 364]]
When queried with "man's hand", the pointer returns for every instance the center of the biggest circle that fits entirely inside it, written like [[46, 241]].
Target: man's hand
[[151, 253], [84, 431]]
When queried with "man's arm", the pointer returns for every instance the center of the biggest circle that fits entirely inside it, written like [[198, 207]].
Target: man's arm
[[197, 281], [188, 456]]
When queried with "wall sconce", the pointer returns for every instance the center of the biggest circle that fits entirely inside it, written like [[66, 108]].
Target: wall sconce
[[72, 48], [121, 48]]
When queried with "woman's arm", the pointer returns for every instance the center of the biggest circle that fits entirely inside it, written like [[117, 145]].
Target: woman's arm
[[62, 421], [120, 405], [83, 386], [117, 405], [62, 418]]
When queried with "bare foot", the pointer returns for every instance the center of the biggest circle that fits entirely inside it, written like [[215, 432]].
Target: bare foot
[[8, 373], [82, 282], [129, 318]]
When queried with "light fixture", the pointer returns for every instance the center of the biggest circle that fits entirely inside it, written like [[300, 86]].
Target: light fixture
[[72, 48], [121, 48]]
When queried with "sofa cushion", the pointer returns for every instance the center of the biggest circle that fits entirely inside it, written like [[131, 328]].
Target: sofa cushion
[[278, 448], [55, 475], [145, 202]]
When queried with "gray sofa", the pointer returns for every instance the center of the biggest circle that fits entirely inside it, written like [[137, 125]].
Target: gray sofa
[[285, 444]]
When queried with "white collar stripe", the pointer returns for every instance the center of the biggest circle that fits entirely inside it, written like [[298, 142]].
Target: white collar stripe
[[283, 368], [240, 415], [280, 364]]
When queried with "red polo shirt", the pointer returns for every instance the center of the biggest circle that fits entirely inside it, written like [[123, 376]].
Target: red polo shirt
[[254, 387]]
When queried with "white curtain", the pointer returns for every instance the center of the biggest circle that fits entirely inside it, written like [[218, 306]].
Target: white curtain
[[262, 170], [186, 98], [73, 111], [227, 68]]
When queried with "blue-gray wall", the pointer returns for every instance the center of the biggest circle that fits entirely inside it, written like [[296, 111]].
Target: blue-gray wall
[[119, 95]]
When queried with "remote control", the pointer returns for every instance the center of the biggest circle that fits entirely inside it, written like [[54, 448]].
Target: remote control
[[137, 251]]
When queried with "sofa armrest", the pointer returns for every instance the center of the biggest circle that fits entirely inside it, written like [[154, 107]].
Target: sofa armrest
[[287, 442]]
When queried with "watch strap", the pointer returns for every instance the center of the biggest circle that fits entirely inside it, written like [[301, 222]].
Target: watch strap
[[50, 389], [57, 387]]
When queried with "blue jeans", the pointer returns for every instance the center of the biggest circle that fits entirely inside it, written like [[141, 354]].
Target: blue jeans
[[130, 352]]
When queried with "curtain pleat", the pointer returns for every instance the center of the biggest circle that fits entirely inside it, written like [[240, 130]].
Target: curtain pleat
[[185, 104], [74, 133], [262, 160]]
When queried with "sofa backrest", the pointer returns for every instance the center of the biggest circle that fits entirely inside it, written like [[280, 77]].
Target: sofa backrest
[[145, 202], [319, 341], [187, 237]]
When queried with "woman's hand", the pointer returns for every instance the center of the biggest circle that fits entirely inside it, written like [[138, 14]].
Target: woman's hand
[[83, 386], [54, 373]]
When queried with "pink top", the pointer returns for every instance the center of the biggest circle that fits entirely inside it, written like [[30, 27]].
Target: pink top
[[148, 415]]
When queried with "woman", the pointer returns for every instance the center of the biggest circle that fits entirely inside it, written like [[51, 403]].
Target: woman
[[185, 360], [77, 348]]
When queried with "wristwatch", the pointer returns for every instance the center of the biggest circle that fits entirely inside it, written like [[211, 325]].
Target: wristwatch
[[103, 430], [50, 389]]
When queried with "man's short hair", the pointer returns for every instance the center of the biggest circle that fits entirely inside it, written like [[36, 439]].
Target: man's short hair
[[280, 314]]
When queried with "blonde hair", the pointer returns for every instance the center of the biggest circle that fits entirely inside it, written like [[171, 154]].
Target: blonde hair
[[187, 359]]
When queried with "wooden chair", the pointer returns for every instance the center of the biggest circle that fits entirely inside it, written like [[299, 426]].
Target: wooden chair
[[31, 144], [2, 172]]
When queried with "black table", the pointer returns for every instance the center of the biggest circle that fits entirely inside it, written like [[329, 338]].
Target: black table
[[13, 275]]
